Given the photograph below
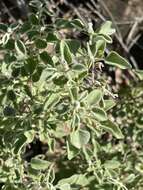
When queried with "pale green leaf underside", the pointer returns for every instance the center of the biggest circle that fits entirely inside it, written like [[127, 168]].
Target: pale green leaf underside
[[79, 138]]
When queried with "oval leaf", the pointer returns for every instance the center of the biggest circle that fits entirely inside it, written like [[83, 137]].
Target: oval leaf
[[107, 29], [79, 67], [99, 114], [40, 44], [80, 138], [111, 127], [20, 48], [115, 59], [65, 52], [108, 104], [71, 150], [45, 57], [77, 23], [94, 97], [52, 100], [39, 164]]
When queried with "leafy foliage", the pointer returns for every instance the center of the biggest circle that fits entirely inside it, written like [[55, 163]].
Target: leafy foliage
[[128, 115], [52, 92]]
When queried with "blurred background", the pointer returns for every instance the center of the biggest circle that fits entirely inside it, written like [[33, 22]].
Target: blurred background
[[126, 15]]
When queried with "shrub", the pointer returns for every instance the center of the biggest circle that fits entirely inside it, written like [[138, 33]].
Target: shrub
[[53, 94], [128, 115]]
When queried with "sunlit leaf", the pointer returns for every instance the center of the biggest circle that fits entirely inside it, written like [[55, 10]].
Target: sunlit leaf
[[112, 128], [115, 59], [39, 164], [107, 29], [19, 144], [99, 114], [79, 138], [20, 48], [94, 97]]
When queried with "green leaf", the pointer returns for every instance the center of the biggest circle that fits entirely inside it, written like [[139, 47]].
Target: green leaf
[[75, 119], [107, 29], [45, 57], [34, 174], [62, 109], [9, 187], [90, 54], [52, 37], [27, 90], [29, 135], [115, 59], [112, 164], [34, 19], [9, 58], [10, 44], [5, 38], [108, 104], [20, 48], [15, 72], [33, 34], [79, 67], [73, 45], [99, 114], [139, 73], [62, 23], [51, 101], [106, 38], [65, 187], [77, 23], [94, 97], [79, 138], [31, 64], [112, 128], [60, 80], [21, 141], [40, 44], [25, 27], [11, 95], [100, 48], [65, 52], [71, 151], [39, 164], [74, 93], [3, 27], [139, 167], [36, 75], [76, 179]]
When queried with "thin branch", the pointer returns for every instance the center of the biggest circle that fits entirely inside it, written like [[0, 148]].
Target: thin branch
[[119, 38], [8, 12], [101, 2], [76, 11]]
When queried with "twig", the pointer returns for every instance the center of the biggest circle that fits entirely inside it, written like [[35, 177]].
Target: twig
[[119, 38], [96, 12], [134, 41], [8, 12], [76, 12], [101, 2], [132, 32]]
